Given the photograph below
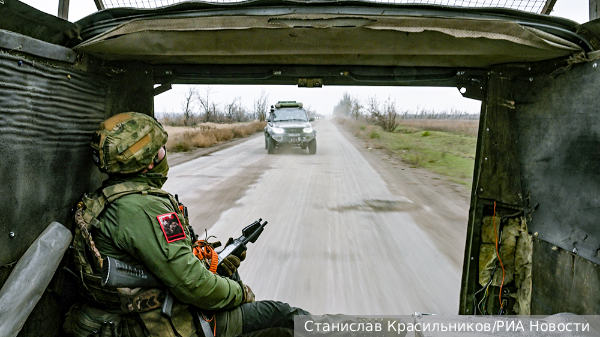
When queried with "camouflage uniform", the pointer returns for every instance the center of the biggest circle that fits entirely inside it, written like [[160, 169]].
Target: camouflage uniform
[[131, 225]]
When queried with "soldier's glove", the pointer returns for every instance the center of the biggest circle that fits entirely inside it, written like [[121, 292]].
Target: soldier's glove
[[228, 266], [231, 263], [242, 255], [248, 295], [214, 245]]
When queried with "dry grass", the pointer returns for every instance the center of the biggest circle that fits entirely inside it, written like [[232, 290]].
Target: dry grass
[[465, 127], [205, 135]]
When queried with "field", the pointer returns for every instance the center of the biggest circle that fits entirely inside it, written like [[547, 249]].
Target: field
[[443, 146], [183, 139]]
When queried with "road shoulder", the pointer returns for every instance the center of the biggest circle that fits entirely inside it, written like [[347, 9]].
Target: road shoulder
[[444, 204], [177, 158]]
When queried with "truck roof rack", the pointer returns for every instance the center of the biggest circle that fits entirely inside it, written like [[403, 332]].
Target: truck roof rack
[[288, 104]]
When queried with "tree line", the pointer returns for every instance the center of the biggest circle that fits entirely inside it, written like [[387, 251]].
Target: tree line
[[387, 114], [199, 106]]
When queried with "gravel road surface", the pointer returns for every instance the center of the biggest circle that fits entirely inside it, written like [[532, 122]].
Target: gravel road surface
[[350, 230]]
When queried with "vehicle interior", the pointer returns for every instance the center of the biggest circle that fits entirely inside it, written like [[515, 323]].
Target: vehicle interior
[[536, 182]]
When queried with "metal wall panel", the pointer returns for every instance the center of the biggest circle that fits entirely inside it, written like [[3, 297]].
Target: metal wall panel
[[47, 116], [559, 144]]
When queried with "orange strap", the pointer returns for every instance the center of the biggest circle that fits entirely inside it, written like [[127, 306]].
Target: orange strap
[[204, 251]]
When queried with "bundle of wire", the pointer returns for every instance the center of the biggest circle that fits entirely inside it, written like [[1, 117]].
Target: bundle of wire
[[482, 309]]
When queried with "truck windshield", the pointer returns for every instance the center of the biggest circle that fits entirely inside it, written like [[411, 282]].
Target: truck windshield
[[290, 115]]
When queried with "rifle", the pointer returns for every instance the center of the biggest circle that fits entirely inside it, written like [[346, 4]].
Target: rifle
[[249, 234], [118, 274]]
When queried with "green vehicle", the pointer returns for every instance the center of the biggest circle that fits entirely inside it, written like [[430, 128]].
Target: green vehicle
[[288, 125]]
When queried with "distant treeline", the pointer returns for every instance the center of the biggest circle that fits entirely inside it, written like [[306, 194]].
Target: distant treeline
[[200, 107], [387, 114]]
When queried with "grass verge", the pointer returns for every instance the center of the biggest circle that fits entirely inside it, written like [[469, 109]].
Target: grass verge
[[183, 139], [447, 153]]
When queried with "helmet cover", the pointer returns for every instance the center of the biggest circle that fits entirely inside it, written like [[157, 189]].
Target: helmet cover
[[127, 143]]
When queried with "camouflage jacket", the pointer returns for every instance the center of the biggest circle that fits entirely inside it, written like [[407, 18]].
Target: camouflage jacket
[[145, 229]]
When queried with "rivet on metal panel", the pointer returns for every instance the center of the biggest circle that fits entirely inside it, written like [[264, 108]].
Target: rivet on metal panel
[[528, 68], [276, 72], [481, 189], [485, 158], [11, 234], [536, 234], [595, 65], [20, 63], [531, 79], [472, 258], [69, 76], [488, 130], [575, 250]]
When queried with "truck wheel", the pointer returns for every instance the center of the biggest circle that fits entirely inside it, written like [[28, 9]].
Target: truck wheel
[[270, 145], [312, 146]]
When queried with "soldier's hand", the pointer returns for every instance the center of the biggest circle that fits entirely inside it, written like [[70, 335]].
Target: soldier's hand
[[242, 255], [228, 266], [248, 295]]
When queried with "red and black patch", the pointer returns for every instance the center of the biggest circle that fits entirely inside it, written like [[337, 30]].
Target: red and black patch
[[171, 227]]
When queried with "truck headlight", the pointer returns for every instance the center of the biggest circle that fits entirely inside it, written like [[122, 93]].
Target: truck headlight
[[278, 130], [308, 130]]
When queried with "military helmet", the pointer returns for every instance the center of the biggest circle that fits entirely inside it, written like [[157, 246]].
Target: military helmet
[[127, 143]]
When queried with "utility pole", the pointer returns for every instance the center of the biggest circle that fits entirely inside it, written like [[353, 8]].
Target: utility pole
[[99, 4], [63, 9], [594, 9], [548, 6]]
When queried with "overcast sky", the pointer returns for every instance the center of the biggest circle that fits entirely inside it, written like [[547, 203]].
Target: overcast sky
[[321, 99]]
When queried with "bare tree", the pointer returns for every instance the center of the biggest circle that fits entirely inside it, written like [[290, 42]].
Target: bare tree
[[229, 109], [240, 113], [344, 105], [187, 106], [373, 109], [261, 106], [356, 108], [208, 107], [388, 121], [215, 113]]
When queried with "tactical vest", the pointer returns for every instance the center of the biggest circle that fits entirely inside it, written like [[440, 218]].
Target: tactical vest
[[122, 302]]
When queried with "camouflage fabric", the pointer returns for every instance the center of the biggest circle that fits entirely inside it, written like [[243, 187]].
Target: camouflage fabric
[[130, 231], [127, 143], [123, 216]]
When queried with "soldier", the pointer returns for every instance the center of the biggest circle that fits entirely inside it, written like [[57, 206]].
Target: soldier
[[131, 219]]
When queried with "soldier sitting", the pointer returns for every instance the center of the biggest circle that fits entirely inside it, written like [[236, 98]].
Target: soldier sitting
[[131, 219]]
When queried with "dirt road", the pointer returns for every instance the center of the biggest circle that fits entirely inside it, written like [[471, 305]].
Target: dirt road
[[350, 230]]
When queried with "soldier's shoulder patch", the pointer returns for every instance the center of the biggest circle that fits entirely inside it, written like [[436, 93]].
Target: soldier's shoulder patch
[[171, 227]]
